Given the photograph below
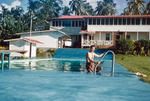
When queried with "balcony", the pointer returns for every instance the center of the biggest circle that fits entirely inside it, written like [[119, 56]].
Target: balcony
[[86, 43]]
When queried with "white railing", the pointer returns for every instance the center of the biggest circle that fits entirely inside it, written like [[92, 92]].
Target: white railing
[[97, 42]]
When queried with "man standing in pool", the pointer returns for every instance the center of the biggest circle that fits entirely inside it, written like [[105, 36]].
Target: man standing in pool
[[92, 65]]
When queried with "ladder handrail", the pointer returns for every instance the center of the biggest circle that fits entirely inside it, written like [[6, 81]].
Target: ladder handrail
[[113, 60]]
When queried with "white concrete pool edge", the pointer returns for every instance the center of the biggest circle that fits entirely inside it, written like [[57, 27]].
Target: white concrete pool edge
[[27, 60]]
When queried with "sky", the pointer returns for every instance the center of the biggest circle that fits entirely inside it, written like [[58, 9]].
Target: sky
[[121, 4]]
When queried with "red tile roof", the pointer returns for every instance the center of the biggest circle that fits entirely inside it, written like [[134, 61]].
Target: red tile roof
[[33, 41], [27, 39], [108, 16], [71, 17]]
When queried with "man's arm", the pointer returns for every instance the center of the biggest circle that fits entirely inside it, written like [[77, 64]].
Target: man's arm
[[100, 55]]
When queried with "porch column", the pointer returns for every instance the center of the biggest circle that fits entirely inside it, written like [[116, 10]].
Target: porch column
[[100, 36], [88, 39], [137, 36], [113, 39], [82, 40], [149, 35], [125, 35]]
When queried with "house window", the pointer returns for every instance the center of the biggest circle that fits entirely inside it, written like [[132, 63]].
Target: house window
[[85, 37], [67, 23], [137, 21], [90, 21], [53, 23], [128, 37], [107, 21], [76, 23], [80, 24], [73, 23], [94, 21], [108, 36], [144, 21], [59, 23], [133, 21], [128, 21], [111, 21], [98, 21], [148, 21], [91, 37], [115, 21], [102, 21], [124, 21], [120, 21], [56, 23]]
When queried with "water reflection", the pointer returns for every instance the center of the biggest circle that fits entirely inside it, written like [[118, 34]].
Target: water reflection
[[57, 65]]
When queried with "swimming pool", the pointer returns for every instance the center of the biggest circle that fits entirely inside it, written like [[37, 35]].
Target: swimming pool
[[66, 80]]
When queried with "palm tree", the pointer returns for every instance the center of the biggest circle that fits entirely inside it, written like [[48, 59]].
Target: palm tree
[[33, 11], [33, 6], [106, 7], [7, 21], [66, 11], [50, 8], [88, 10], [75, 6], [81, 7], [99, 8], [147, 10], [10, 22], [135, 7], [17, 14]]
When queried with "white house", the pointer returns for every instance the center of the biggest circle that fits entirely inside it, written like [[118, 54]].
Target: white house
[[25, 47], [38, 39], [84, 31], [103, 31]]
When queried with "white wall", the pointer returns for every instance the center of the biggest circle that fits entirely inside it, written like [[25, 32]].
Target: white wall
[[49, 39], [116, 28], [17, 45], [21, 45], [33, 51]]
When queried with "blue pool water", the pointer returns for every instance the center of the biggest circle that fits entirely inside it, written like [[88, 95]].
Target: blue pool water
[[65, 80]]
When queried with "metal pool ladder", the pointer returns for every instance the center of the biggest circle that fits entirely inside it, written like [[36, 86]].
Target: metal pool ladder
[[113, 61]]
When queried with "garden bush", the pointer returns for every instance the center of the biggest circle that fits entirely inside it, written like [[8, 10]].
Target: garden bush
[[140, 47]]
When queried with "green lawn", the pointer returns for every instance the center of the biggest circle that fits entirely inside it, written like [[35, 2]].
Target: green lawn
[[136, 64]]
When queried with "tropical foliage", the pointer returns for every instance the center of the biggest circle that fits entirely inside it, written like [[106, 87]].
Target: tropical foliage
[[66, 11], [140, 47], [81, 7], [135, 7], [16, 20], [41, 11], [105, 7], [147, 10], [11, 21]]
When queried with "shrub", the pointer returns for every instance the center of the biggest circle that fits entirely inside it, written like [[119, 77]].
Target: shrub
[[41, 53], [51, 52], [142, 47], [129, 47], [125, 46]]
